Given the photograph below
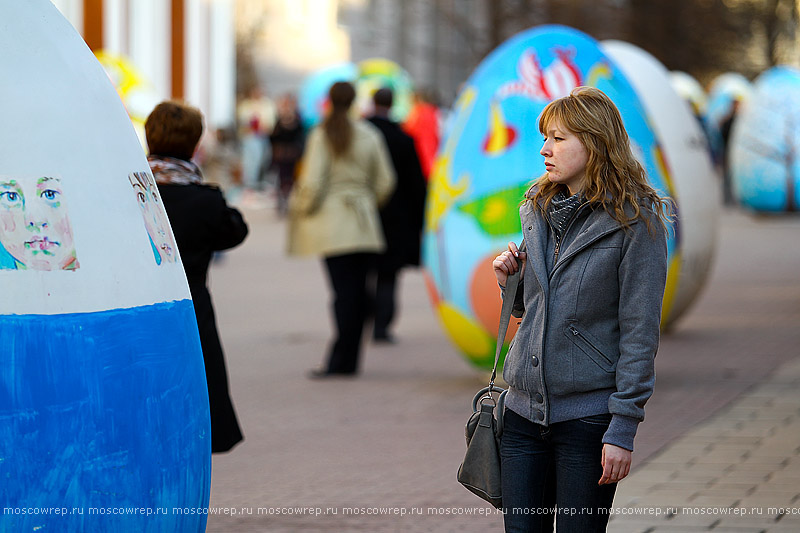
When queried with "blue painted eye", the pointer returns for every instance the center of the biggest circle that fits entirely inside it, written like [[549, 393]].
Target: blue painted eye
[[49, 194], [10, 196]]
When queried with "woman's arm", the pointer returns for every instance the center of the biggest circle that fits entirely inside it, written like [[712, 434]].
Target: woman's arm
[[231, 229], [306, 193], [642, 277], [384, 177]]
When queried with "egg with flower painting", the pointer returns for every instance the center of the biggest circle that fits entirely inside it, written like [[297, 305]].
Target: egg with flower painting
[[103, 402], [488, 158]]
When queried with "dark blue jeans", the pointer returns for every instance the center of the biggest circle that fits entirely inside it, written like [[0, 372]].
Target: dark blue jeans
[[552, 473]]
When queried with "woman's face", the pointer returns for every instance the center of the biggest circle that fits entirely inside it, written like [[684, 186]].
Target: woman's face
[[155, 218], [565, 157], [34, 227]]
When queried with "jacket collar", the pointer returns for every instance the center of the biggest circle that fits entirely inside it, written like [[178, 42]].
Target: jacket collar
[[598, 224]]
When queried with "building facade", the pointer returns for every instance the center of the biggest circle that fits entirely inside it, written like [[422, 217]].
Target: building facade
[[184, 49]]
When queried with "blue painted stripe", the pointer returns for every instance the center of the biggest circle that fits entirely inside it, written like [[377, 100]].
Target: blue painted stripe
[[105, 411]]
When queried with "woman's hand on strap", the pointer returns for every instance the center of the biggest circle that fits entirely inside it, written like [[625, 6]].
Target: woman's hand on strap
[[616, 463], [508, 263]]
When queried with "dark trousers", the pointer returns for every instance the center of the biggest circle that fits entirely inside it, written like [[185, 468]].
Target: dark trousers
[[384, 301], [552, 472], [348, 278]]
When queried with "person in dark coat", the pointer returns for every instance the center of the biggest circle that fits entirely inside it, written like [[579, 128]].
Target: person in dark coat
[[203, 223], [287, 138], [401, 216], [725, 129]]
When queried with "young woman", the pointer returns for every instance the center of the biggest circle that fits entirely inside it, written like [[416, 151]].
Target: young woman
[[581, 366], [333, 207]]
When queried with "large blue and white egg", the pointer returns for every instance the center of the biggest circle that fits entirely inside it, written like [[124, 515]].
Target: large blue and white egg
[[104, 422]]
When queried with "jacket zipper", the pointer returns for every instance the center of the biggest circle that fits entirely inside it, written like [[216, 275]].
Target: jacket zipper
[[547, 306], [558, 240], [577, 333]]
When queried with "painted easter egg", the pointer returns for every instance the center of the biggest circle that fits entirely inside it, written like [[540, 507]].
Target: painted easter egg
[[312, 98], [489, 157], [723, 92], [377, 73], [137, 94], [104, 421], [765, 143], [368, 76], [687, 161]]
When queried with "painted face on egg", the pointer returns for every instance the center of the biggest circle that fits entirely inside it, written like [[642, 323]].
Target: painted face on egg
[[34, 226], [155, 217]]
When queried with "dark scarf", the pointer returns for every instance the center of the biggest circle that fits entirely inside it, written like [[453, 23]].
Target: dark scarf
[[561, 211], [171, 171]]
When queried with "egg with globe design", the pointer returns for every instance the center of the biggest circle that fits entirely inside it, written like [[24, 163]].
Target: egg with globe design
[[104, 417]]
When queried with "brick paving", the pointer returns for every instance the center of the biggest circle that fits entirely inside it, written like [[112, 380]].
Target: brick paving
[[380, 452]]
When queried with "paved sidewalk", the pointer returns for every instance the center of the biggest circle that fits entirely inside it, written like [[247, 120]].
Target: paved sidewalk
[[380, 452], [739, 471]]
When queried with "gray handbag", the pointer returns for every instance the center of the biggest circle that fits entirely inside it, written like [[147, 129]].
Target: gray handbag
[[480, 471]]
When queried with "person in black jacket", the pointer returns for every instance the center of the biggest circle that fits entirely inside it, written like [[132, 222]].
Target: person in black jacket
[[203, 223], [401, 216], [288, 139]]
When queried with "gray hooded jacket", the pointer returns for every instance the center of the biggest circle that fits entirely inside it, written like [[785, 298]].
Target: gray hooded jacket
[[590, 328]]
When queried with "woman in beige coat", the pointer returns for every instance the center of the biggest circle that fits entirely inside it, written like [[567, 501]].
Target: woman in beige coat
[[346, 174]]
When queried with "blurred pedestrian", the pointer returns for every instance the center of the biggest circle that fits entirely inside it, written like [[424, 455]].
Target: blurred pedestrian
[[581, 365], [256, 118], [333, 213], [287, 141], [401, 217], [423, 124], [202, 223], [220, 162], [725, 128]]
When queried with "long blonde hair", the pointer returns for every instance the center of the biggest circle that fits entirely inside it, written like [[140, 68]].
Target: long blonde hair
[[614, 177]]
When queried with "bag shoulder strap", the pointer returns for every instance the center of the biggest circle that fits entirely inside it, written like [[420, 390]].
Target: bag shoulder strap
[[512, 283]]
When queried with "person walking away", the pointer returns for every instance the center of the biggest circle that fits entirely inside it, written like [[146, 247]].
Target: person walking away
[[581, 365], [725, 128], [287, 141], [401, 217], [333, 213], [203, 224], [256, 118]]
